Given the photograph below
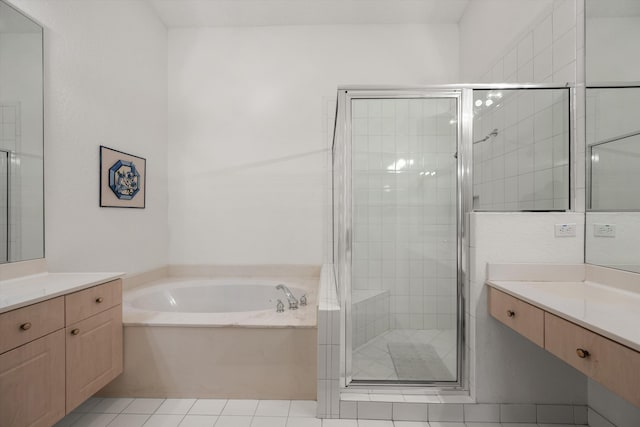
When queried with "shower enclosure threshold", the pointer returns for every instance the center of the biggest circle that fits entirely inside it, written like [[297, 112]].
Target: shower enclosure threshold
[[424, 395]]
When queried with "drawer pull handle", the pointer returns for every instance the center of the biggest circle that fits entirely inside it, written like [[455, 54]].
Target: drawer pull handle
[[25, 326], [582, 354], [75, 331], [511, 313], [99, 300]]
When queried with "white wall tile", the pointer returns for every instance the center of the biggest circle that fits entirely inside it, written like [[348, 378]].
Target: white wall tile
[[446, 412], [525, 50], [482, 413], [564, 17], [516, 413], [348, 409], [409, 411], [543, 35], [564, 50], [543, 65], [375, 410], [557, 414]]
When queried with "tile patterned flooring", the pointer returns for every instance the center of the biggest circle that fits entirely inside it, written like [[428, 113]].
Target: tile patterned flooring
[[127, 412], [372, 361]]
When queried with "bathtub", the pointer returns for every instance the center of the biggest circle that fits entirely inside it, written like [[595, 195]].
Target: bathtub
[[197, 337]]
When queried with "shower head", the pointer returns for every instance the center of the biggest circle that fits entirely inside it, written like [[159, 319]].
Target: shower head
[[492, 133]]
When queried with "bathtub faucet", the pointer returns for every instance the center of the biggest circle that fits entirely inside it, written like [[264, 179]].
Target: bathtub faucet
[[293, 302]]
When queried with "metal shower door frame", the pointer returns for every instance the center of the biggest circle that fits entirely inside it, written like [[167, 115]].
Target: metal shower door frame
[[464, 200]]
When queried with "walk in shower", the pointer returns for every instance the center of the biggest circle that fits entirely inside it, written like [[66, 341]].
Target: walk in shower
[[398, 204], [402, 189]]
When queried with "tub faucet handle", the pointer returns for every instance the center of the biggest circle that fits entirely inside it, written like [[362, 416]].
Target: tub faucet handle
[[303, 299], [280, 306], [293, 302]]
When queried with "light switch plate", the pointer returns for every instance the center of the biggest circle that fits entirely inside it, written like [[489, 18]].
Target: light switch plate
[[604, 230], [565, 230]]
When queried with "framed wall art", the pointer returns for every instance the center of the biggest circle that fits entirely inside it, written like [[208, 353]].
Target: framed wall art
[[122, 179]]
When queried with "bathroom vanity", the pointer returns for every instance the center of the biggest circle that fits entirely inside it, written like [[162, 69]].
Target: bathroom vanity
[[589, 321], [61, 343]]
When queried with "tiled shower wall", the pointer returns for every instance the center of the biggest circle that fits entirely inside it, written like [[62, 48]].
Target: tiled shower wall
[[526, 165], [404, 187], [544, 53]]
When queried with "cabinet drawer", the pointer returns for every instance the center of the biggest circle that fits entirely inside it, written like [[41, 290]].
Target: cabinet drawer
[[523, 318], [86, 303], [32, 383], [94, 354], [26, 324], [611, 364]]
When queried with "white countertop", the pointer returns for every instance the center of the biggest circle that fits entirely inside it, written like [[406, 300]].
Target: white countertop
[[611, 312], [29, 290]]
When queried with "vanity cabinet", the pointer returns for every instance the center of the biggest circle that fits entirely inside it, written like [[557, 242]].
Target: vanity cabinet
[[56, 353], [608, 362]]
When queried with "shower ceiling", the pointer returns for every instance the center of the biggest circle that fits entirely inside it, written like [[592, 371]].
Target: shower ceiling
[[219, 13]]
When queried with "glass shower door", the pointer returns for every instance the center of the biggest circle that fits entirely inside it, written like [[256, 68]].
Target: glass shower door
[[402, 320]]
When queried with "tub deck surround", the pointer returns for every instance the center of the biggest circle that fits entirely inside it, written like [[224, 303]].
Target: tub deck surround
[[303, 317], [27, 290], [259, 354], [590, 325]]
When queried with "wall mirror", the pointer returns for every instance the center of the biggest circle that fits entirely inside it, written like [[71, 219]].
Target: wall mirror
[[21, 137], [613, 133]]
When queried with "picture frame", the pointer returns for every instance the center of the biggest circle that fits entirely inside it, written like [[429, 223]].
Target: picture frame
[[122, 179]]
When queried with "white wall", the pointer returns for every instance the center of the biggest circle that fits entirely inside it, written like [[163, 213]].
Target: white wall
[[248, 133], [612, 44], [105, 83]]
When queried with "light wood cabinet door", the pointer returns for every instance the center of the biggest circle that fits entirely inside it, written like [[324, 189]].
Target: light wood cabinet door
[[520, 316], [32, 383], [94, 354]]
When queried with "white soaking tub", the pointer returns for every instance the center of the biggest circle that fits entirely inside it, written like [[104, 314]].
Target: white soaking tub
[[219, 338]]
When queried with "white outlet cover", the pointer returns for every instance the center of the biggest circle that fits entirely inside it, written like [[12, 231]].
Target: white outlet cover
[[565, 230], [604, 230]]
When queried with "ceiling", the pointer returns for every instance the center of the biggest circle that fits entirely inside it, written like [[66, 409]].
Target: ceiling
[[220, 13]]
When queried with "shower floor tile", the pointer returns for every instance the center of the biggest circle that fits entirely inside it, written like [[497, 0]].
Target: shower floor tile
[[373, 360]]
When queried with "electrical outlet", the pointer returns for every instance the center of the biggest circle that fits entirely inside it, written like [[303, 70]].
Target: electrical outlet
[[565, 230], [604, 230]]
